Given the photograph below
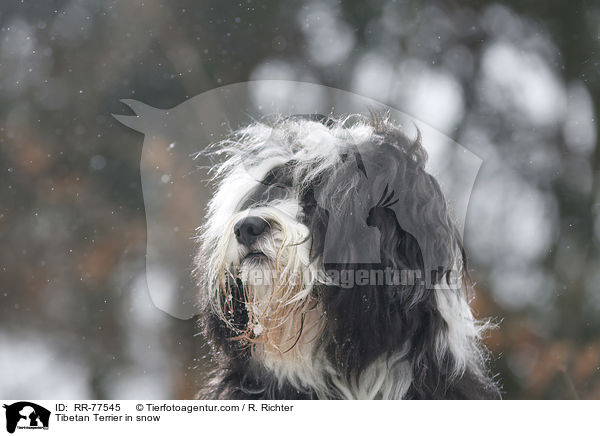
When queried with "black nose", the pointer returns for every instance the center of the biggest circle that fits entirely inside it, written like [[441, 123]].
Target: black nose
[[247, 230]]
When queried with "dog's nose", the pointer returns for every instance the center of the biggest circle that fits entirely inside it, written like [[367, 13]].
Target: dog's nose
[[247, 230]]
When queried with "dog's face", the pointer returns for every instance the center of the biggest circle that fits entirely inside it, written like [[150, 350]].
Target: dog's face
[[307, 219]]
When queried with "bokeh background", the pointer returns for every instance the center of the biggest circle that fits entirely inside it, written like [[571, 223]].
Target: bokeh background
[[516, 82]]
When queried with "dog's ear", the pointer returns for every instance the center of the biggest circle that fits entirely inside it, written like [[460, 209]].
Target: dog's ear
[[411, 213]]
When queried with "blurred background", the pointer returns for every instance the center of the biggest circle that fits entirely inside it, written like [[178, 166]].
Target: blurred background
[[515, 82]]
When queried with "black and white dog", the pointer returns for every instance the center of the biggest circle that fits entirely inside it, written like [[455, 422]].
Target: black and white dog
[[330, 269]]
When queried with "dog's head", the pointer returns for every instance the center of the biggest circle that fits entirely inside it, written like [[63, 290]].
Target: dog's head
[[322, 230]]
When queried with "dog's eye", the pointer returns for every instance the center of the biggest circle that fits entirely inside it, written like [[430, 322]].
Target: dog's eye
[[264, 195], [278, 176], [276, 185]]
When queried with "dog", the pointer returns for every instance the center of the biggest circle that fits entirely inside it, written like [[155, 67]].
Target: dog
[[330, 268]]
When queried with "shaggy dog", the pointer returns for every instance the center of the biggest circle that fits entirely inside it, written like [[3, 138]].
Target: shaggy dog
[[331, 269]]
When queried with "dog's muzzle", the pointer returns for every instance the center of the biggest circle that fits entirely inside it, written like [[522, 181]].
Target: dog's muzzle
[[249, 229]]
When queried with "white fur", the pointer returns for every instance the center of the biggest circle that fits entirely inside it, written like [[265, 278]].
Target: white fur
[[384, 379]]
